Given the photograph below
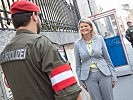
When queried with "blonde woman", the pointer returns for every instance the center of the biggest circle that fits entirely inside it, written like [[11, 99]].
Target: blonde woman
[[94, 68]]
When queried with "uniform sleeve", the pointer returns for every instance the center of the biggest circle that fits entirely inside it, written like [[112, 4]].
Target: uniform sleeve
[[108, 60], [62, 79]]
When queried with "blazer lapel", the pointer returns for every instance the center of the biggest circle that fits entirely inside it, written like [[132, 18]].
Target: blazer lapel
[[93, 44], [83, 45]]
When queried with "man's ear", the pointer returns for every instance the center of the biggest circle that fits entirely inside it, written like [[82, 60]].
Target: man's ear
[[34, 16]]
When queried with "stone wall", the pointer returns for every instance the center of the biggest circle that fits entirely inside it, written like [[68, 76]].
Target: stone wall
[[5, 37]]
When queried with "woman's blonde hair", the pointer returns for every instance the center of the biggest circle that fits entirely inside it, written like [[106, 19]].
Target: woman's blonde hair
[[88, 21]]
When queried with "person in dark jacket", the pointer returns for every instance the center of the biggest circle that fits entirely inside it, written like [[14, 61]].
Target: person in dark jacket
[[129, 32], [30, 62]]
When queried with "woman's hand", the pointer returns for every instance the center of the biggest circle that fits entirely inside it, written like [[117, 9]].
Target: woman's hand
[[79, 97]]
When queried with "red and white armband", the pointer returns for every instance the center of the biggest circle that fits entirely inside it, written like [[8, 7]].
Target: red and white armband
[[62, 77]]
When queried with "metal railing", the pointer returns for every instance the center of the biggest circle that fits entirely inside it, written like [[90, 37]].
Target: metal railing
[[57, 15]]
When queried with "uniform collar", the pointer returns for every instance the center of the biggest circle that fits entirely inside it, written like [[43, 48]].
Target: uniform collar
[[21, 31]]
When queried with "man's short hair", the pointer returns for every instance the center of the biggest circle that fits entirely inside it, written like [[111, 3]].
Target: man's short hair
[[21, 19]]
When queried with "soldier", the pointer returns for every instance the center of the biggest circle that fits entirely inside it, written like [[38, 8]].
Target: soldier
[[129, 32], [30, 62]]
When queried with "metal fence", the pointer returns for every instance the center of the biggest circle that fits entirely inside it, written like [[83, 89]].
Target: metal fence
[[57, 15]]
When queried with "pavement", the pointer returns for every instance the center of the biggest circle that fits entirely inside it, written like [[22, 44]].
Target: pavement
[[129, 51], [124, 86]]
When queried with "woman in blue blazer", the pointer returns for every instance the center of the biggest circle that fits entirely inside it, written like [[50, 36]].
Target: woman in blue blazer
[[94, 68]]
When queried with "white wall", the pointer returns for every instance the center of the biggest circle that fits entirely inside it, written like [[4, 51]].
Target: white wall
[[70, 54], [83, 8]]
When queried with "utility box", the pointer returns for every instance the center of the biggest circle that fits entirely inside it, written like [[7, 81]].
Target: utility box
[[116, 51]]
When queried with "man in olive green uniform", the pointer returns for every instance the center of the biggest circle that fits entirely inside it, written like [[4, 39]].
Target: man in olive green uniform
[[31, 64]]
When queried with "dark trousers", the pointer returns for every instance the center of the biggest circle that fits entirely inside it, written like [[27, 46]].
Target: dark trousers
[[131, 43]]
